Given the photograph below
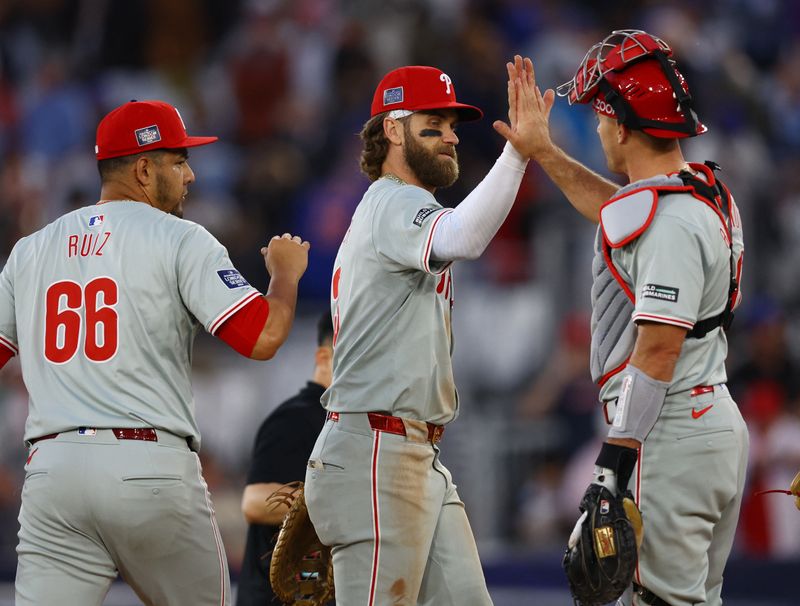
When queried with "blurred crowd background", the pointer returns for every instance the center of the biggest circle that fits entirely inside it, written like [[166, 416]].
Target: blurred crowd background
[[286, 85]]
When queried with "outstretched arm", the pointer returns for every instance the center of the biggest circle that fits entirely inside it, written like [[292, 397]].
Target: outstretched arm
[[466, 232], [584, 188]]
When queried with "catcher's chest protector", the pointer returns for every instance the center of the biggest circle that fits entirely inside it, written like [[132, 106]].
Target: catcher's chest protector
[[623, 219]]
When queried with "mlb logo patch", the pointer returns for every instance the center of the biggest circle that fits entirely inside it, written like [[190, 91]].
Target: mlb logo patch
[[87, 431], [148, 135], [232, 278], [96, 220], [393, 95], [604, 507]]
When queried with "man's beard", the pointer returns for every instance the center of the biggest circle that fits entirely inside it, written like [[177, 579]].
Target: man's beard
[[429, 168], [162, 193]]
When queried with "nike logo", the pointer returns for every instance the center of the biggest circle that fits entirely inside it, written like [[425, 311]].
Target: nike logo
[[696, 414]]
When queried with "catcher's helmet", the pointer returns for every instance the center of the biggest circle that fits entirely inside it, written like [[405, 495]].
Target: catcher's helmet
[[631, 77]]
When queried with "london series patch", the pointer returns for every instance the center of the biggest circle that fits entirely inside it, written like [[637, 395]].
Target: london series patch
[[393, 95], [232, 278], [148, 135], [656, 291], [422, 215]]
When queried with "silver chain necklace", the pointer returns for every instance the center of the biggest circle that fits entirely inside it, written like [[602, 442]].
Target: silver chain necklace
[[394, 178]]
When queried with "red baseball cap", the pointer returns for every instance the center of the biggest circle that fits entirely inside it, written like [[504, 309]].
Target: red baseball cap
[[140, 126], [419, 87]]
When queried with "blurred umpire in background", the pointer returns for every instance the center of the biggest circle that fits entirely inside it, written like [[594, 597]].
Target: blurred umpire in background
[[280, 456], [102, 306]]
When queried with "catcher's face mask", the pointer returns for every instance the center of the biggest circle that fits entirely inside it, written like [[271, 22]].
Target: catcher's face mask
[[630, 76]]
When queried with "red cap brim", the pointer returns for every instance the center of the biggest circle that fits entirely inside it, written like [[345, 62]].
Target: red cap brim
[[197, 141], [466, 113]]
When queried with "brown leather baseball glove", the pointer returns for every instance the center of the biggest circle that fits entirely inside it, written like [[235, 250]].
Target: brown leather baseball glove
[[301, 570]]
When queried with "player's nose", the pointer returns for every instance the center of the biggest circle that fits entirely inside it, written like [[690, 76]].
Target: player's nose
[[188, 176], [450, 137]]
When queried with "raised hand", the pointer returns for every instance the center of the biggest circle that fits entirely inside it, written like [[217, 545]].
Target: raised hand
[[528, 129]]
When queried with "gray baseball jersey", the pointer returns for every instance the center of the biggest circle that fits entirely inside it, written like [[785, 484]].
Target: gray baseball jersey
[[678, 272], [375, 487], [391, 310], [103, 305], [668, 260]]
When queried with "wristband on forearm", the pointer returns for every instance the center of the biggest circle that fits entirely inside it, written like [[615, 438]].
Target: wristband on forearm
[[638, 405], [621, 460]]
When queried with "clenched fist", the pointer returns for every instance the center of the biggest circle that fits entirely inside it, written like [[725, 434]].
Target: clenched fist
[[286, 255]]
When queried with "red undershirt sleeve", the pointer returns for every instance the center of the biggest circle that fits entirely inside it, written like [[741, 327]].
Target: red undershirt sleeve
[[5, 355], [242, 329]]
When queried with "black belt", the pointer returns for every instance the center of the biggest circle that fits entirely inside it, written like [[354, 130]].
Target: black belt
[[647, 596]]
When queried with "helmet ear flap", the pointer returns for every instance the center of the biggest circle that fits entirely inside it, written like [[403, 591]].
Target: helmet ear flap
[[682, 95], [621, 108]]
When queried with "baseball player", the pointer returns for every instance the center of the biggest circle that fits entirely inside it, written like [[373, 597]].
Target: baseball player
[[376, 490], [280, 454], [102, 306], [666, 273]]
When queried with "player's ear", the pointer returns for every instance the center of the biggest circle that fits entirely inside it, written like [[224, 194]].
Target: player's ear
[[144, 169], [393, 130], [623, 133]]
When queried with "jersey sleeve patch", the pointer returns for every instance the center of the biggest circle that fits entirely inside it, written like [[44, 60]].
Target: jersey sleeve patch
[[663, 293], [422, 215], [232, 278], [623, 219]]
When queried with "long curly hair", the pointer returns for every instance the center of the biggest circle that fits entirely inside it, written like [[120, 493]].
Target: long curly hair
[[376, 145]]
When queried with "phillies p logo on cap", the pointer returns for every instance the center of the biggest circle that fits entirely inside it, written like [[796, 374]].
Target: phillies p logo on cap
[[418, 88]]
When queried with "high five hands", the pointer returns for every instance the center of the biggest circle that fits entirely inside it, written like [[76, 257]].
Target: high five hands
[[528, 129]]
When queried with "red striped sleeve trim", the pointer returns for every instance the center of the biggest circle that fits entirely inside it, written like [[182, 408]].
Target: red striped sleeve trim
[[426, 260], [375, 520], [220, 319], [8, 344], [663, 320]]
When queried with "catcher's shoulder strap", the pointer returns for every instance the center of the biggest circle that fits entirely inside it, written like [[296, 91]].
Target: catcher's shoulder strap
[[715, 194], [626, 217]]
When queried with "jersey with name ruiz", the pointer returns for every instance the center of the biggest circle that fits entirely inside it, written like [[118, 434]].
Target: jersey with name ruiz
[[391, 307], [103, 305]]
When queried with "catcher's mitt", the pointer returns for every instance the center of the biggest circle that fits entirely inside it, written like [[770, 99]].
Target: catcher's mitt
[[602, 553], [301, 570]]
